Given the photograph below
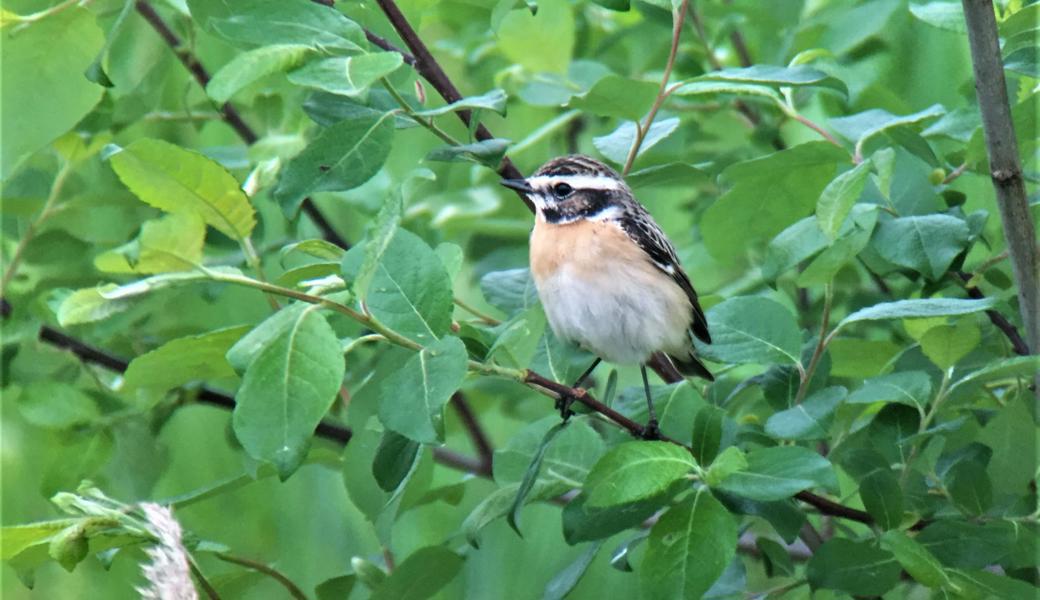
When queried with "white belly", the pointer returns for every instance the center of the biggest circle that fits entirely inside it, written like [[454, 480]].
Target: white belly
[[615, 312]]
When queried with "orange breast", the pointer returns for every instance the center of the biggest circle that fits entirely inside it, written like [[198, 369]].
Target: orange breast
[[584, 246]]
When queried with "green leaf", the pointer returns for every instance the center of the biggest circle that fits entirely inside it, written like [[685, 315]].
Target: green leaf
[[55, 405], [969, 488], [266, 22], [540, 42], [531, 476], [383, 231], [336, 588], [498, 504], [791, 246], [883, 498], [838, 197], [44, 91], [168, 244], [287, 389], [916, 559], [945, 345], [410, 291], [865, 125], [688, 548], [1010, 431], [730, 461], [176, 180], [941, 14], [485, 152], [563, 583], [616, 96], [94, 304], [967, 545], [394, 460], [752, 329], [178, 361], [707, 433], [983, 584], [412, 398], [617, 144], [347, 75], [712, 88], [666, 175], [319, 249], [583, 523], [16, 538], [768, 194], [779, 473], [254, 65], [342, 157], [495, 101], [932, 307], [421, 575], [512, 291], [912, 388], [634, 471], [809, 420], [797, 76], [568, 460], [858, 568], [1019, 366], [775, 558], [927, 244]]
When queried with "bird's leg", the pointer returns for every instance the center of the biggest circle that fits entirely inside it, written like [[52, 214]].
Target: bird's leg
[[651, 430], [564, 403]]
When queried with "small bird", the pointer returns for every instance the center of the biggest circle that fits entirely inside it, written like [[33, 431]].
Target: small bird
[[606, 274]]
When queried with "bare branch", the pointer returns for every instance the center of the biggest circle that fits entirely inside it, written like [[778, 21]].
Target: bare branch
[[485, 451]]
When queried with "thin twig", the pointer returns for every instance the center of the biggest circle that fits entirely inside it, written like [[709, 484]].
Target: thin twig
[[999, 321], [30, 231], [662, 91], [227, 111], [821, 343], [481, 442], [271, 572], [484, 318]]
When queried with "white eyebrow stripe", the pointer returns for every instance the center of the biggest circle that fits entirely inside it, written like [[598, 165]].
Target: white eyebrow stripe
[[578, 182]]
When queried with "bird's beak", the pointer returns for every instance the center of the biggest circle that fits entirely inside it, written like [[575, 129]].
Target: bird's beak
[[519, 185]]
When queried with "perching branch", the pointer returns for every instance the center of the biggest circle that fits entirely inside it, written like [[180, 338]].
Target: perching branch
[[1005, 165], [230, 115], [481, 442]]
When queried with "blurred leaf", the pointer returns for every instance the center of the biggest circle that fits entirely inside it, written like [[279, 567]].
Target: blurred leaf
[[942, 14], [319, 249], [177, 180], [711, 88], [883, 498], [541, 42], [264, 22], [858, 568], [55, 405], [983, 584], [347, 75], [730, 461], [945, 345], [707, 433], [774, 555], [495, 101], [616, 96], [967, 545], [616, 145], [485, 152], [421, 575], [171, 243], [335, 588], [252, 66], [410, 291], [1024, 62], [94, 304], [178, 361], [688, 548], [499, 502], [44, 91], [809, 420], [927, 244], [1018, 366], [394, 459], [1011, 430], [382, 233], [771, 75], [912, 388], [287, 389], [780, 472], [838, 197], [931, 307], [635, 471], [563, 583], [568, 460], [798, 242], [531, 476], [969, 488], [752, 329], [342, 157], [915, 558], [512, 291], [667, 174], [412, 398], [583, 523], [862, 126]]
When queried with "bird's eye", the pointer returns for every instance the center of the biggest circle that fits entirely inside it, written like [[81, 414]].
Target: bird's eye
[[562, 190]]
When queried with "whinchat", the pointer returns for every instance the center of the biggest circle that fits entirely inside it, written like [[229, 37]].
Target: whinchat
[[607, 276]]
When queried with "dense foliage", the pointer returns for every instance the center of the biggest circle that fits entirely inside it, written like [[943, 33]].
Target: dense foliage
[[257, 269]]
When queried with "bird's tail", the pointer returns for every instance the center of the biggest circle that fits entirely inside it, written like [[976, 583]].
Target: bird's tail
[[691, 365]]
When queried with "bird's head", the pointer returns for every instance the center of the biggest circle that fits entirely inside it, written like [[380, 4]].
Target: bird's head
[[574, 187]]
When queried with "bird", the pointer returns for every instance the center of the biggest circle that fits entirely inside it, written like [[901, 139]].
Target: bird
[[607, 276]]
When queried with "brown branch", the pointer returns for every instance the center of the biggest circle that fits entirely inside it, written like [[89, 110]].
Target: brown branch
[[1005, 165], [999, 321], [381, 42], [228, 113], [481, 443]]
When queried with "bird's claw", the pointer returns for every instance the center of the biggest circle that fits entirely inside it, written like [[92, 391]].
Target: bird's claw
[[651, 431], [565, 401]]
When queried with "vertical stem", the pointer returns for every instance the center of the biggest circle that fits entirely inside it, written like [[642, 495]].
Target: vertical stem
[[1005, 166], [821, 343], [30, 232]]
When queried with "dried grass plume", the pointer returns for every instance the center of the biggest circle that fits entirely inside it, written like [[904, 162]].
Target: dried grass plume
[[168, 573]]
